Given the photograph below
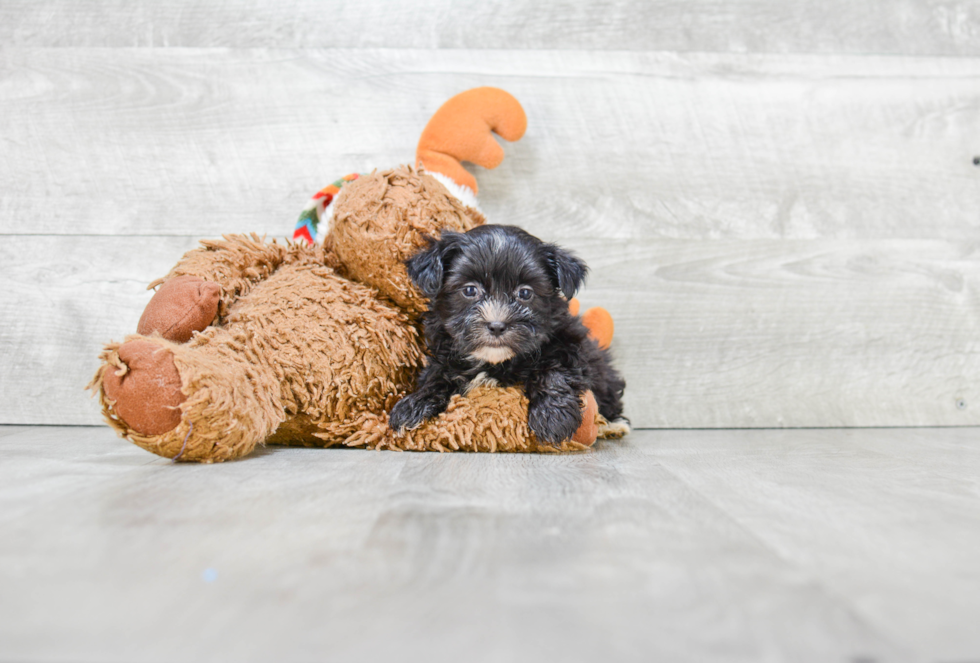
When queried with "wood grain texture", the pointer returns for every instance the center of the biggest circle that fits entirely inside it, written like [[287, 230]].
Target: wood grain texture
[[804, 333], [624, 145], [695, 546], [63, 298], [907, 27], [750, 333], [826, 499]]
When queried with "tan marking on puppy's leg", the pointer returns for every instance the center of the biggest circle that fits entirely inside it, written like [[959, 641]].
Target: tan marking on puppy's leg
[[481, 380], [614, 429]]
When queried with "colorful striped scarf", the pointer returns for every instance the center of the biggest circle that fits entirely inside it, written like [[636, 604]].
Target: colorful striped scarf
[[309, 220]]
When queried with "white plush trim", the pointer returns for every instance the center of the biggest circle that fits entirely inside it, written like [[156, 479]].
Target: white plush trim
[[464, 194], [326, 221]]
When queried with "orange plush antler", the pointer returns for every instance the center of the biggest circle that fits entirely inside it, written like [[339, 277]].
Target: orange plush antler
[[461, 130]]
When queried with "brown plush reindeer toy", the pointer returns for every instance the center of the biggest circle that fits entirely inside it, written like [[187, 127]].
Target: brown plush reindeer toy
[[250, 342]]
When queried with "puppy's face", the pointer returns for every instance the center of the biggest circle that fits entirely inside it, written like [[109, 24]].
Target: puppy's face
[[497, 291]]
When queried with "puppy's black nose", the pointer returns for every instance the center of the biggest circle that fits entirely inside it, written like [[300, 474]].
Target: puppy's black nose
[[496, 327]]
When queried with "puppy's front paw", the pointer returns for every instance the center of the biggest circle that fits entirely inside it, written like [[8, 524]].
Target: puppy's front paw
[[410, 412], [552, 422]]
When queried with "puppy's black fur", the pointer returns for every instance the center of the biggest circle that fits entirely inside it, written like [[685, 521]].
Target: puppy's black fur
[[498, 314]]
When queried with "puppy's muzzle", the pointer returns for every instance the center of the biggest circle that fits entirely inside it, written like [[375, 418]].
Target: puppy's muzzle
[[495, 315], [494, 340], [496, 327]]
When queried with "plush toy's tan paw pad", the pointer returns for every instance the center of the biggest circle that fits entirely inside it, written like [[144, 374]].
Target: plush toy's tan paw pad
[[183, 305], [146, 392]]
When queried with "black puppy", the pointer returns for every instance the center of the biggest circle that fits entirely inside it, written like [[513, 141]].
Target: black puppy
[[498, 315]]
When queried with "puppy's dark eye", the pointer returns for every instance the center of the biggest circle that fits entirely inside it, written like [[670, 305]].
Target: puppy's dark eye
[[470, 291], [525, 294]]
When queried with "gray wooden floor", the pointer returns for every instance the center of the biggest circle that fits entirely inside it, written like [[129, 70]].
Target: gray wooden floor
[[791, 545]]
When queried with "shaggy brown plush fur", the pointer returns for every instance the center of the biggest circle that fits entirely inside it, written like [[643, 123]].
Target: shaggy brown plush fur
[[381, 220], [486, 419], [310, 345], [302, 344]]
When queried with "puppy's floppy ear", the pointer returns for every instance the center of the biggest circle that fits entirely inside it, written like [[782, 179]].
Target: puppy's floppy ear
[[567, 270], [427, 268]]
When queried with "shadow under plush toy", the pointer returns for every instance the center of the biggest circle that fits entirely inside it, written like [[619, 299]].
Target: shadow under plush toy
[[249, 342]]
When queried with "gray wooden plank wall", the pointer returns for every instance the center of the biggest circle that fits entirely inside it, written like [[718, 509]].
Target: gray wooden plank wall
[[778, 199], [896, 27]]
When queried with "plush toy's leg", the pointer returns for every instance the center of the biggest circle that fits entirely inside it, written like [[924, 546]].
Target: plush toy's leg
[[487, 419], [203, 401], [461, 131], [589, 430], [304, 347], [235, 264], [206, 400]]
